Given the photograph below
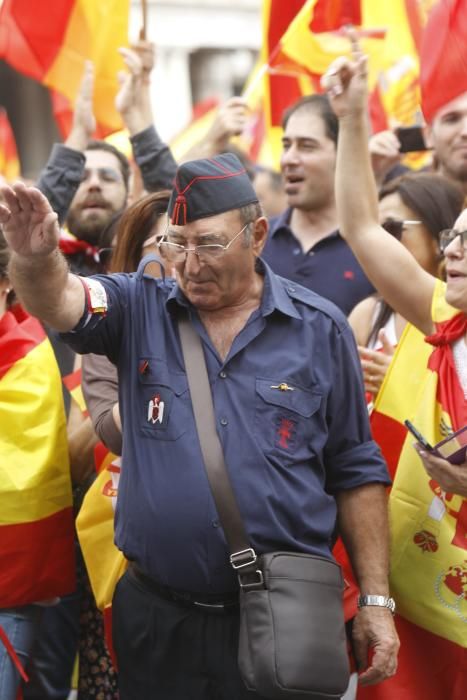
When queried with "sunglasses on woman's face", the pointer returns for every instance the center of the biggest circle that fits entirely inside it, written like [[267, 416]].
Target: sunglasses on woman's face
[[396, 227]]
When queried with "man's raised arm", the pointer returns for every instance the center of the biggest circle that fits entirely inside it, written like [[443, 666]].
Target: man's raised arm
[[38, 271]]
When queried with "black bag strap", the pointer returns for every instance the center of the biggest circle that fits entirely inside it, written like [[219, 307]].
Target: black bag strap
[[242, 555]]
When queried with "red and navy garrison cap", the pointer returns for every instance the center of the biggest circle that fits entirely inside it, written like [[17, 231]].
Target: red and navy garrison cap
[[209, 186]]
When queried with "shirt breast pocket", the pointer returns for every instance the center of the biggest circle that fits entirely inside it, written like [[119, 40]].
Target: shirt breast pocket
[[289, 424], [163, 406]]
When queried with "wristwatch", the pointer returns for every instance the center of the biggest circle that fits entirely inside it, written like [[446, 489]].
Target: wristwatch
[[381, 601]]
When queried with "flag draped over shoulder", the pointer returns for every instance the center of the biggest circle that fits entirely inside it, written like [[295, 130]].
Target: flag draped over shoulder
[[49, 40], [9, 161], [444, 56], [428, 575], [36, 519]]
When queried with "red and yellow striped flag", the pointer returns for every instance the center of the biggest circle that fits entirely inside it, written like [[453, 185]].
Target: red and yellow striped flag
[[390, 34], [36, 519], [428, 575], [49, 40], [9, 161], [105, 563]]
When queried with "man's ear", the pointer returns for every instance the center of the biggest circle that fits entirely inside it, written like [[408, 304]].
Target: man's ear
[[260, 234]]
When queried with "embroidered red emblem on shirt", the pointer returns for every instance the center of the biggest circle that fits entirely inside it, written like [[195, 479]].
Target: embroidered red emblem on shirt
[[349, 275], [285, 432]]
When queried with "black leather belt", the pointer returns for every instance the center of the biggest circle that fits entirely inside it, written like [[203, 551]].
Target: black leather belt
[[221, 603]]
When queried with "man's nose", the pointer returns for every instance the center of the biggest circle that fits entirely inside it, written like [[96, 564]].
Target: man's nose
[[464, 126], [289, 156], [192, 263], [93, 180]]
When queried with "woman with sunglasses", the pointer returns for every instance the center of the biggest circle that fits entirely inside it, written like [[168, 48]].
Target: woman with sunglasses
[[428, 500], [414, 209]]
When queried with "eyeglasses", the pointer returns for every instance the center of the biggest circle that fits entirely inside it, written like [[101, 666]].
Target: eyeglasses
[[177, 253], [106, 175], [449, 235], [396, 227]]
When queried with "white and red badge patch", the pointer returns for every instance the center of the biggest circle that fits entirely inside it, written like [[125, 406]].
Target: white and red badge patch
[[156, 410], [96, 296]]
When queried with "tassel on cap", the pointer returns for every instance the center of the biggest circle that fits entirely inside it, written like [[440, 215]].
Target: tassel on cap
[[209, 186]]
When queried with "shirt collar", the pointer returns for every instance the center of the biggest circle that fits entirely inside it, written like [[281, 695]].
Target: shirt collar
[[275, 296], [282, 223]]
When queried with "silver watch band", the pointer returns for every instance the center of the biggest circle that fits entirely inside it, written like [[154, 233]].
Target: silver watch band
[[381, 601]]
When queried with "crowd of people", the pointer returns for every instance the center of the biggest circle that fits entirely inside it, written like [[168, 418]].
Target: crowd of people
[[267, 267]]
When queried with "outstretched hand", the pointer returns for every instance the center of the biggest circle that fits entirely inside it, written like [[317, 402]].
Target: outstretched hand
[[30, 226], [84, 121], [132, 100], [345, 82]]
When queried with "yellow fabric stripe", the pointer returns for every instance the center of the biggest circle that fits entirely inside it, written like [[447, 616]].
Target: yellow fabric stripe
[[95, 31], [34, 464], [428, 557]]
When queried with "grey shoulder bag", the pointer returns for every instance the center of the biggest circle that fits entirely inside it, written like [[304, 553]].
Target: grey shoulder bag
[[292, 641]]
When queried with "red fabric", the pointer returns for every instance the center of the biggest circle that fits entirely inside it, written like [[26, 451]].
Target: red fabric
[[108, 635], [430, 668], [7, 139], [19, 334], [329, 15], [32, 33], [283, 89], [450, 393], [71, 246], [73, 380], [12, 653], [24, 548], [390, 436], [443, 61]]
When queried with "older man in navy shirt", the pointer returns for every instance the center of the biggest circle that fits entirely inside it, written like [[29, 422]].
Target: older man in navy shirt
[[304, 243], [290, 412]]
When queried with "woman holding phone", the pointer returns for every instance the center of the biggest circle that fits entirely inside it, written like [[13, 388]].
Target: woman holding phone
[[428, 508]]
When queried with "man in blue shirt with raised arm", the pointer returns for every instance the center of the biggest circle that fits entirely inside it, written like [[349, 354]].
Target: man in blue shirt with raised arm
[[290, 414]]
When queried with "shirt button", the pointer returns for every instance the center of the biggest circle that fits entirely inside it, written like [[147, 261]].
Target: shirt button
[[224, 421], [215, 523], [297, 251], [223, 375], [291, 289]]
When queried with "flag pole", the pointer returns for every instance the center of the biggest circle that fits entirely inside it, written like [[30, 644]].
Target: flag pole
[[144, 9]]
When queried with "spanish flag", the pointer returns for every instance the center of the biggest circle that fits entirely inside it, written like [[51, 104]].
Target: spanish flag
[[390, 33], [49, 40], [277, 88], [428, 575], [36, 520], [105, 563], [9, 162], [444, 56]]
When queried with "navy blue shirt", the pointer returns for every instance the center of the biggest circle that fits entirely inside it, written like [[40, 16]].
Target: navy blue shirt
[[329, 268], [287, 451]]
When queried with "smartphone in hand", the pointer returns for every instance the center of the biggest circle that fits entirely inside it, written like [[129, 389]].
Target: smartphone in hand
[[453, 448], [411, 138], [418, 436]]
